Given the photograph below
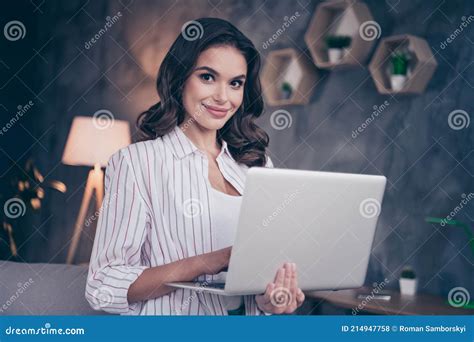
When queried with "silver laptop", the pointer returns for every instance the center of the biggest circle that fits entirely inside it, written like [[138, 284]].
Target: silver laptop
[[322, 221]]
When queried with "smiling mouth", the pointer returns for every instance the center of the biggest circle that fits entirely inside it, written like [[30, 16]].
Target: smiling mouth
[[216, 111]]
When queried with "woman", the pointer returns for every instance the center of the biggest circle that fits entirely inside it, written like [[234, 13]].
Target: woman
[[172, 201]]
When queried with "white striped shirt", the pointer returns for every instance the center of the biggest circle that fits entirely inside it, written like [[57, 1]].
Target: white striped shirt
[[156, 211]]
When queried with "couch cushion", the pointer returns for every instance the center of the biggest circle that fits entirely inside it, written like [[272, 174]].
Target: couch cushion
[[43, 289]]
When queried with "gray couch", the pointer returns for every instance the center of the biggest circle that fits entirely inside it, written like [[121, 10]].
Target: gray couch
[[43, 289]]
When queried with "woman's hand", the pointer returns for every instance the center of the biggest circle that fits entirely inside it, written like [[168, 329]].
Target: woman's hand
[[215, 262], [283, 295]]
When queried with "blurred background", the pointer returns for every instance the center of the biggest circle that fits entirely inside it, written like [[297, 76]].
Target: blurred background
[[346, 113]]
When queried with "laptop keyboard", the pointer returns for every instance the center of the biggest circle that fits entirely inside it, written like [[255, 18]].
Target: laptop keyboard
[[213, 285]]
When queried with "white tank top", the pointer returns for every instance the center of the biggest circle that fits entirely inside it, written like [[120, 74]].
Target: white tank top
[[225, 215]]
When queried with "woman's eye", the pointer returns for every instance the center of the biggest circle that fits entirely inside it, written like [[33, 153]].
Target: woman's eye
[[206, 77], [237, 84]]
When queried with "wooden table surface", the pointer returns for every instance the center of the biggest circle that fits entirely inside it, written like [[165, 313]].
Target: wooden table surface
[[419, 304]]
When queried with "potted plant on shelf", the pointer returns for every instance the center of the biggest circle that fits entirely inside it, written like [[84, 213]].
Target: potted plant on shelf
[[398, 76], [408, 281], [336, 47], [286, 90]]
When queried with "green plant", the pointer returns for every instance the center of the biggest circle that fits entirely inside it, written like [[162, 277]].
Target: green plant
[[468, 230], [286, 87], [464, 226], [337, 42], [23, 189], [399, 63], [408, 273]]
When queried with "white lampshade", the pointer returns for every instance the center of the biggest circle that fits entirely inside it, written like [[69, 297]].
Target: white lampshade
[[92, 141]]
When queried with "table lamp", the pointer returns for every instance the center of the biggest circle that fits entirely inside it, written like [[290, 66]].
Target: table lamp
[[91, 143]]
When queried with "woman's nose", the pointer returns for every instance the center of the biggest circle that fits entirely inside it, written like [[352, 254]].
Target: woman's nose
[[220, 95]]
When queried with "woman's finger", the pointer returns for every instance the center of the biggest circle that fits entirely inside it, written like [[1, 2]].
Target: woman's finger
[[288, 274], [293, 283], [268, 293], [296, 278], [300, 297], [279, 277]]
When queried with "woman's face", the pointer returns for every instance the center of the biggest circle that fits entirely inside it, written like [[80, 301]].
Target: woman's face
[[215, 89]]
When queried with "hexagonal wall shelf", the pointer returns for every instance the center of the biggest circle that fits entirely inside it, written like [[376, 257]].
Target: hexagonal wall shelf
[[341, 18], [420, 65], [288, 77]]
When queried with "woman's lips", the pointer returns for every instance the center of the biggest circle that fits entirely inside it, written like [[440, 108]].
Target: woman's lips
[[216, 111]]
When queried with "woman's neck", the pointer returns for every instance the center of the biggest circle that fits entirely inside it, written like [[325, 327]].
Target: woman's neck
[[204, 139]]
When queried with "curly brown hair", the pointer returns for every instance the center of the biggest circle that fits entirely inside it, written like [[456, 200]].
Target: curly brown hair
[[246, 141]]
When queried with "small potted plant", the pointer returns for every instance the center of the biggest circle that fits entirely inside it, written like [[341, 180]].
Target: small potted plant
[[336, 46], [408, 281], [398, 76], [286, 90]]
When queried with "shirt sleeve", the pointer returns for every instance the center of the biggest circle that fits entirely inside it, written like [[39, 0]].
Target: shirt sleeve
[[258, 311], [121, 229]]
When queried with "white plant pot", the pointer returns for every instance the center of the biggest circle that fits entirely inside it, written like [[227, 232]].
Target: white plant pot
[[285, 94], [398, 82], [408, 286], [335, 55]]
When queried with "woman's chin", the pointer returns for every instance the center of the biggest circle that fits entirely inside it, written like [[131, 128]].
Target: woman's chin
[[215, 124], [217, 127]]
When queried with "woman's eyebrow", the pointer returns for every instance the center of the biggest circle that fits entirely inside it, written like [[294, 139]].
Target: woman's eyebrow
[[240, 77], [207, 69], [216, 73]]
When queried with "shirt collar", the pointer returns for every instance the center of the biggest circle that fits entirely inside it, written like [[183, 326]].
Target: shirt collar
[[182, 146]]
